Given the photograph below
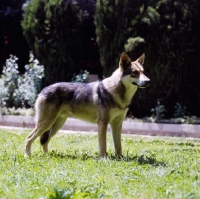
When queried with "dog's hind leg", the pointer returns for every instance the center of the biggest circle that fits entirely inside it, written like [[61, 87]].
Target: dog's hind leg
[[41, 127], [45, 137]]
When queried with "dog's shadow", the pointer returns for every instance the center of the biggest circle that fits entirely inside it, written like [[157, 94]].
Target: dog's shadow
[[144, 160], [138, 159], [75, 155]]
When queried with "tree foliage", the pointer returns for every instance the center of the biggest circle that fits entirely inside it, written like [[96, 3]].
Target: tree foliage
[[12, 40], [168, 32], [115, 21], [53, 31]]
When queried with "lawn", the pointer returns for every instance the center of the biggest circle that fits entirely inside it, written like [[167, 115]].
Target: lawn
[[152, 167]]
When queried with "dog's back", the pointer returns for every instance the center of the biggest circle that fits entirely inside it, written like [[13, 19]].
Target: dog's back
[[70, 99]]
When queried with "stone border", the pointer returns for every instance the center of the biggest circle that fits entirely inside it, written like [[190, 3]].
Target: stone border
[[137, 128]]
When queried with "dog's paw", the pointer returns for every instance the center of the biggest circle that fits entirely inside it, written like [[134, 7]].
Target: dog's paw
[[26, 155]]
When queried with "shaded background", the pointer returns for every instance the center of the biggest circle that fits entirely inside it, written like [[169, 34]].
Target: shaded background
[[88, 34]]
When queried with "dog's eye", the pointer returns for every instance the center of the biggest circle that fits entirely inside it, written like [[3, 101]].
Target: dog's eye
[[135, 73]]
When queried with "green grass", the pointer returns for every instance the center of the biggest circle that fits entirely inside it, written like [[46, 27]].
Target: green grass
[[157, 167]]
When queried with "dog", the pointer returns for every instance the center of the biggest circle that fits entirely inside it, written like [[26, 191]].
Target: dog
[[101, 102]]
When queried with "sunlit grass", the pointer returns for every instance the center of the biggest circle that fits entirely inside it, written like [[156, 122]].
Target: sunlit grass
[[152, 167]]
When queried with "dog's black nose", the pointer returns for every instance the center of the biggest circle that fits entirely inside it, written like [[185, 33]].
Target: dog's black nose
[[144, 80], [147, 83], [144, 84]]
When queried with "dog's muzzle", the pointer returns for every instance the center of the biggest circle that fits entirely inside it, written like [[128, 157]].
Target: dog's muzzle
[[142, 82]]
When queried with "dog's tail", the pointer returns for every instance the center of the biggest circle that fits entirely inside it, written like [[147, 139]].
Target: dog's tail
[[44, 137]]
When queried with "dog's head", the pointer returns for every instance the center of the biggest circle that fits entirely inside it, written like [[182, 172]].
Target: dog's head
[[133, 72]]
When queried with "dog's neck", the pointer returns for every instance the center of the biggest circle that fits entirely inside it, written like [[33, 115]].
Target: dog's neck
[[121, 93]]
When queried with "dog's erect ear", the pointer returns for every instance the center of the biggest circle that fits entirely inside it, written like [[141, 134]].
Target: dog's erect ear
[[141, 59], [124, 61]]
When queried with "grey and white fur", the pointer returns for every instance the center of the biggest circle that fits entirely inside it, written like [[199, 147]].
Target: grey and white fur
[[101, 102]]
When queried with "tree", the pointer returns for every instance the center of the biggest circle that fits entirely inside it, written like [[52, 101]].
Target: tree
[[12, 40], [115, 23], [53, 31], [172, 44], [168, 32]]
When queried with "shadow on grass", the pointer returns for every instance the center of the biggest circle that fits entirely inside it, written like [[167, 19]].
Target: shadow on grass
[[141, 160], [85, 155], [183, 144], [61, 155], [81, 155]]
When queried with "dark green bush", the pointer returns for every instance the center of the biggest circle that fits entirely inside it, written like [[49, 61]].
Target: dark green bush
[[172, 45], [168, 32], [53, 31], [115, 21]]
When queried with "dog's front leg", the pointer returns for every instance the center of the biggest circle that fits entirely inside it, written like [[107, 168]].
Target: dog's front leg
[[116, 133], [102, 128]]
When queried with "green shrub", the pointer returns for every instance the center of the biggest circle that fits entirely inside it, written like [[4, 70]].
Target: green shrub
[[20, 90], [180, 111], [29, 84], [83, 76], [168, 33], [115, 20], [9, 82], [171, 47], [53, 31], [133, 45], [159, 111], [118, 26]]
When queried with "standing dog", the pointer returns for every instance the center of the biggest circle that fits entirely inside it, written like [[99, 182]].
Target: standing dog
[[102, 102]]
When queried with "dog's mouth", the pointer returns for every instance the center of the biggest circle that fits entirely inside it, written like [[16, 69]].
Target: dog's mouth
[[143, 85], [134, 83]]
